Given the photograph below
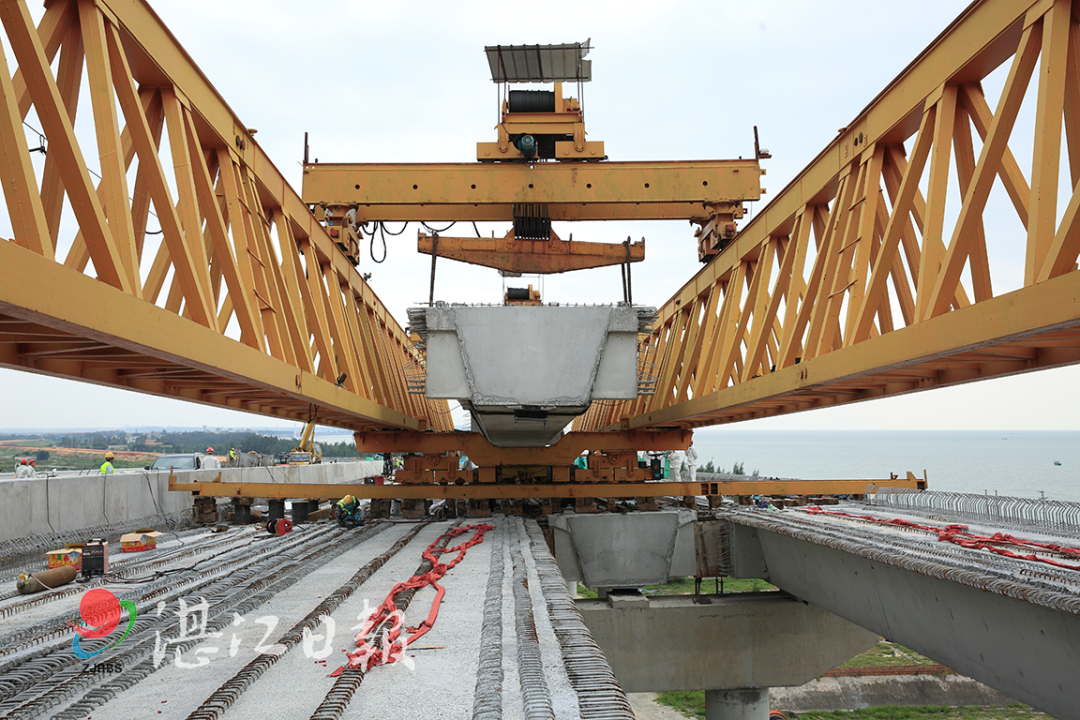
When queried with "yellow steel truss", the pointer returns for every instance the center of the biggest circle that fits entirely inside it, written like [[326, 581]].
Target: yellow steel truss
[[854, 283], [246, 302], [850, 285], [505, 491]]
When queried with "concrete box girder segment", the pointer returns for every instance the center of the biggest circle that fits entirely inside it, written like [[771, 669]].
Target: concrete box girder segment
[[525, 372], [625, 551], [571, 191]]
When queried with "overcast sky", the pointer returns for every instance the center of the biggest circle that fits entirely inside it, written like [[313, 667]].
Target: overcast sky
[[408, 82]]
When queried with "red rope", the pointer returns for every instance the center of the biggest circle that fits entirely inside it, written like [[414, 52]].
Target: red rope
[[959, 535], [388, 617]]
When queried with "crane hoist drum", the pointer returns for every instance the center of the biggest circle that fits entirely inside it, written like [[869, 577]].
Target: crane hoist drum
[[532, 101]]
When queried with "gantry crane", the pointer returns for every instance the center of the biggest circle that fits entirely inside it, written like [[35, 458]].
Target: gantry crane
[[853, 283]]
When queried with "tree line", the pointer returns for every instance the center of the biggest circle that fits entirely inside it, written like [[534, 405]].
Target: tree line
[[199, 441]]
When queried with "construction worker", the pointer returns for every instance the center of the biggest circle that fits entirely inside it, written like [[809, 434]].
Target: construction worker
[[232, 455], [675, 463], [32, 466], [691, 461], [107, 466], [347, 508], [23, 470], [210, 462]]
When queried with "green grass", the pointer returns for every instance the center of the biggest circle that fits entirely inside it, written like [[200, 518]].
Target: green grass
[[692, 705], [887, 654], [65, 462], [689, 703], [685, 586]]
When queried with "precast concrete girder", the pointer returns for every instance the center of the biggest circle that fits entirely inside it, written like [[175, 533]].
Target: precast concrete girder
[[1011, 635], [524, 372]]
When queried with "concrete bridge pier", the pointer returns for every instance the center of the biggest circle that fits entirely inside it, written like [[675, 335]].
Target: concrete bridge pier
[[741, 704]]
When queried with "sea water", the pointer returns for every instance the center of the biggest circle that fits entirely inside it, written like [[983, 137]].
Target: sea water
[[1016, 463]]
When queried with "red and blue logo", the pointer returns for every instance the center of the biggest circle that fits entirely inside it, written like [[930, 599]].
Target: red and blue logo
[[101, 612]]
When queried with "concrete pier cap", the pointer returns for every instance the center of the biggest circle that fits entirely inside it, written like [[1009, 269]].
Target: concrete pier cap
[[525, 372]]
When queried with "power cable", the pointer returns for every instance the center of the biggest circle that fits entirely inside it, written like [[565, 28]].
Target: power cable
[[395, 234], [371, 246]]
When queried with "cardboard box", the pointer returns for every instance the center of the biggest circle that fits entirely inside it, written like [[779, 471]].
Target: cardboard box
[[65, 556], [139, 541]]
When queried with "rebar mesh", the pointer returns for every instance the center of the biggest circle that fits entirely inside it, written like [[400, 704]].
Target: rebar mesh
[[1056, 515]]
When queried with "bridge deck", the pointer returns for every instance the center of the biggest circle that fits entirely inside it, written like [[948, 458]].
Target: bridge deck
[[508, 639], [1010, 622]]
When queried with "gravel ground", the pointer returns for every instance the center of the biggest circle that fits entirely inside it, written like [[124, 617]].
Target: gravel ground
[[646, 707]]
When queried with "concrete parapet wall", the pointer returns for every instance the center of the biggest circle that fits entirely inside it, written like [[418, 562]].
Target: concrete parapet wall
[[41, 506], [321, 474]]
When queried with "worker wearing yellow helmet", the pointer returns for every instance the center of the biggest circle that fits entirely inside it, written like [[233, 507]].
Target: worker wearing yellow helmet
[[107, 467], [347, 510]]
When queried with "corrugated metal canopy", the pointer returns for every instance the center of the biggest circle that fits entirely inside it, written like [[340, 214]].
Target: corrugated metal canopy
[[539, 63]]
